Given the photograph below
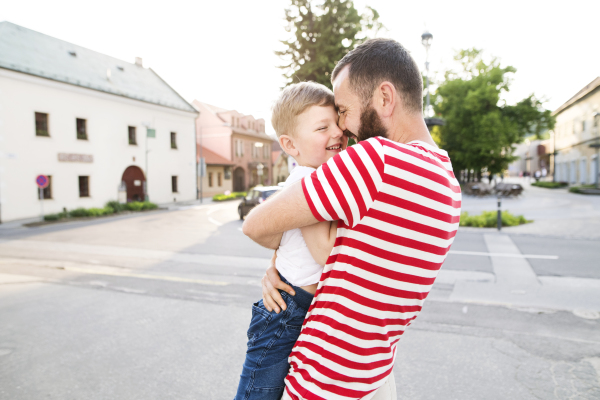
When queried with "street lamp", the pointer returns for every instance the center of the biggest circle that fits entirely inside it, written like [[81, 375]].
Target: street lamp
[[426, 39]]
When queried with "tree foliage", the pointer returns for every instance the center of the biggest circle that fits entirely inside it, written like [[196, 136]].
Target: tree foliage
[[323, 32], [481, 130]]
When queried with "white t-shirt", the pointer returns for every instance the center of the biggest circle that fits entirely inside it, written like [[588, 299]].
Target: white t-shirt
[[294, 260]]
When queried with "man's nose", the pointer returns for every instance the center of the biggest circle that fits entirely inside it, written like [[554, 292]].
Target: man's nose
[[342, 123]]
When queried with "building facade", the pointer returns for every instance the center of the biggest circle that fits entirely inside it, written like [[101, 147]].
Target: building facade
[[238, 138], [578, 127], [100, 128], [217, 177], [279, 159]]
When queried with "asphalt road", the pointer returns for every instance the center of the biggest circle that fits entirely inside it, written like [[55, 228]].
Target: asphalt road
[[156, 305]]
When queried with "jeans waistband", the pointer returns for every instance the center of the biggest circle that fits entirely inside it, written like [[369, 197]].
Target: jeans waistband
[[302, 297]]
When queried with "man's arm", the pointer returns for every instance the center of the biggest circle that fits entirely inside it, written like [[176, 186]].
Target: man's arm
[[288, 210]]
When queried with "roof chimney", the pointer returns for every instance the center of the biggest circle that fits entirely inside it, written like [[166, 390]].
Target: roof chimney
[[138, 61]]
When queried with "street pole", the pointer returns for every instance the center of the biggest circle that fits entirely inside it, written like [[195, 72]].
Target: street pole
[[42, 202], [426, 39], [202, 173], [146, 196], [499, 214]]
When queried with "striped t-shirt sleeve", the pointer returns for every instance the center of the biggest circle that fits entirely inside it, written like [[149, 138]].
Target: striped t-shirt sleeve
[[344, 188]]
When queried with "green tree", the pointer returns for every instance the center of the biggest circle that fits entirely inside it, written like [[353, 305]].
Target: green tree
[[323, 32], [481, 130]]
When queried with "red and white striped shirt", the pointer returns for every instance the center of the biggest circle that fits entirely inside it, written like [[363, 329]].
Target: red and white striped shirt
[[398, 207]]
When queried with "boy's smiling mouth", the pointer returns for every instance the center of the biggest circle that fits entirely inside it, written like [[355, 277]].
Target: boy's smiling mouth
[[335, 147]]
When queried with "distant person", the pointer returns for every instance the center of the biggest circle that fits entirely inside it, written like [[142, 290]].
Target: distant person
[[397, 203], [305, 120], [537, 174], [544, 172]]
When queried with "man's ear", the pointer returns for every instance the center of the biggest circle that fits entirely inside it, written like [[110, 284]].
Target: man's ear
[[287, 144], [386, 99]]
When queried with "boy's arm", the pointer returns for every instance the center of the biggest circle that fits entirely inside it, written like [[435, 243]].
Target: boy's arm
[[320, 239]]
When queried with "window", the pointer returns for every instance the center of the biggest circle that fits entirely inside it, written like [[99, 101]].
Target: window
[[210, 179], [239, 148], [583, 126], [219, 181], [173, 140], [81, 129], [174, 184], [84, 186], [47, 192], [227, 173], [41, 124], [266, 151], [256, 149], [132, 139]]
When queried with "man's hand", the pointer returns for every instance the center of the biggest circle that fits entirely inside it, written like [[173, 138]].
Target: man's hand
[[272, 300]]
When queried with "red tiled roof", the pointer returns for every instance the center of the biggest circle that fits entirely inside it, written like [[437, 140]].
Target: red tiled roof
[[212, 158]]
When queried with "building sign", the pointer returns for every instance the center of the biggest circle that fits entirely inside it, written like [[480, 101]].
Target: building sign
[[68, 157]]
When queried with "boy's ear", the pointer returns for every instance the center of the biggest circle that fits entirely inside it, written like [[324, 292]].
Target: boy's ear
[[287, 144]]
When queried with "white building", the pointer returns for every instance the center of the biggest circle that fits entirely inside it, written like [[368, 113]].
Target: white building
[[82, 118], [577, 128]]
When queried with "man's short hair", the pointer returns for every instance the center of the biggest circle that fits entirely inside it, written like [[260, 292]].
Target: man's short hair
[[379, 60], [294, 100]]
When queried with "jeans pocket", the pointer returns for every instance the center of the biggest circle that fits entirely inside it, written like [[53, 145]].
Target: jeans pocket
[[259, 322]]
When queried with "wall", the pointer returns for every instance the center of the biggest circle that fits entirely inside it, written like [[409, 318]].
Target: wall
[[226, 184], [576, 161], [108, 117]]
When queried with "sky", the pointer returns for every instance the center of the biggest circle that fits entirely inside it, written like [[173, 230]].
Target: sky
[[222, 52]]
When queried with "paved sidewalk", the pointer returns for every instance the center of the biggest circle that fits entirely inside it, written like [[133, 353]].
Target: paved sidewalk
[[555, 212]]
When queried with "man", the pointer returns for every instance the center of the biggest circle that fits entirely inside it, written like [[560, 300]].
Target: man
[[397, 203]]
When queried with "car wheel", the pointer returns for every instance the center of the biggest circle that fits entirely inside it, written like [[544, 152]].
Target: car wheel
[[240, 213]]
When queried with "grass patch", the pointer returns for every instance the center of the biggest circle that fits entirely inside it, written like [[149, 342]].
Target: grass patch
[[112, 207], [489, 219], [550, 185], [232, 196]]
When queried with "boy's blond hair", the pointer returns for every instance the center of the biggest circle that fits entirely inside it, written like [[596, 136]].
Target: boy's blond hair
[[294, 100]]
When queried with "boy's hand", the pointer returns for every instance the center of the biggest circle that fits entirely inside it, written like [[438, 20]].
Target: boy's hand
[[272, 300]]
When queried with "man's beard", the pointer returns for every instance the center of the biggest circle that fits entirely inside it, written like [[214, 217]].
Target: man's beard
[[370, 125]]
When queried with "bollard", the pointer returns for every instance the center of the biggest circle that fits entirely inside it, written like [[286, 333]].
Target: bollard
[[499, 214]]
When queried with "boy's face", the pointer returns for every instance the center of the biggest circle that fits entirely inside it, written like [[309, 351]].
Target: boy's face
[[318, 138]]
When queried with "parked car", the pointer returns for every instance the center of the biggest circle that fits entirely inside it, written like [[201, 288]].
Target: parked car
[[255, 197]]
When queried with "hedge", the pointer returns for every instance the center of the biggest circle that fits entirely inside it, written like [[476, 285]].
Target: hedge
[[489, 219], [232, 196], [112, 207], [550, 185], [577, 189]]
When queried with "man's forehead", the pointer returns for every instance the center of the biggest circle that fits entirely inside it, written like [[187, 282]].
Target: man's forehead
[[341, 80]]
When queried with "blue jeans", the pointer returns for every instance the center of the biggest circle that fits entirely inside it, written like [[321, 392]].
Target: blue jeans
[[271, 338]]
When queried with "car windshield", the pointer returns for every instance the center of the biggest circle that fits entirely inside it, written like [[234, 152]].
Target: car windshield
[[267, 193]]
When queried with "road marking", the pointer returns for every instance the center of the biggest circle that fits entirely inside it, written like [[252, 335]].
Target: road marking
[[480, 253], [144, 276], [212, 220]]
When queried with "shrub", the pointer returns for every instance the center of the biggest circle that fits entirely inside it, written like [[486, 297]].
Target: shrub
[[140, 205], [135, 206], [149, 206], [550, 185], [55, 217], [489, 219], [577, 189], [97, 212], [78, 212], [115, 205]]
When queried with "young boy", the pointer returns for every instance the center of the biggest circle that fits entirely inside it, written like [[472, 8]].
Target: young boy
[[305, 121]]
